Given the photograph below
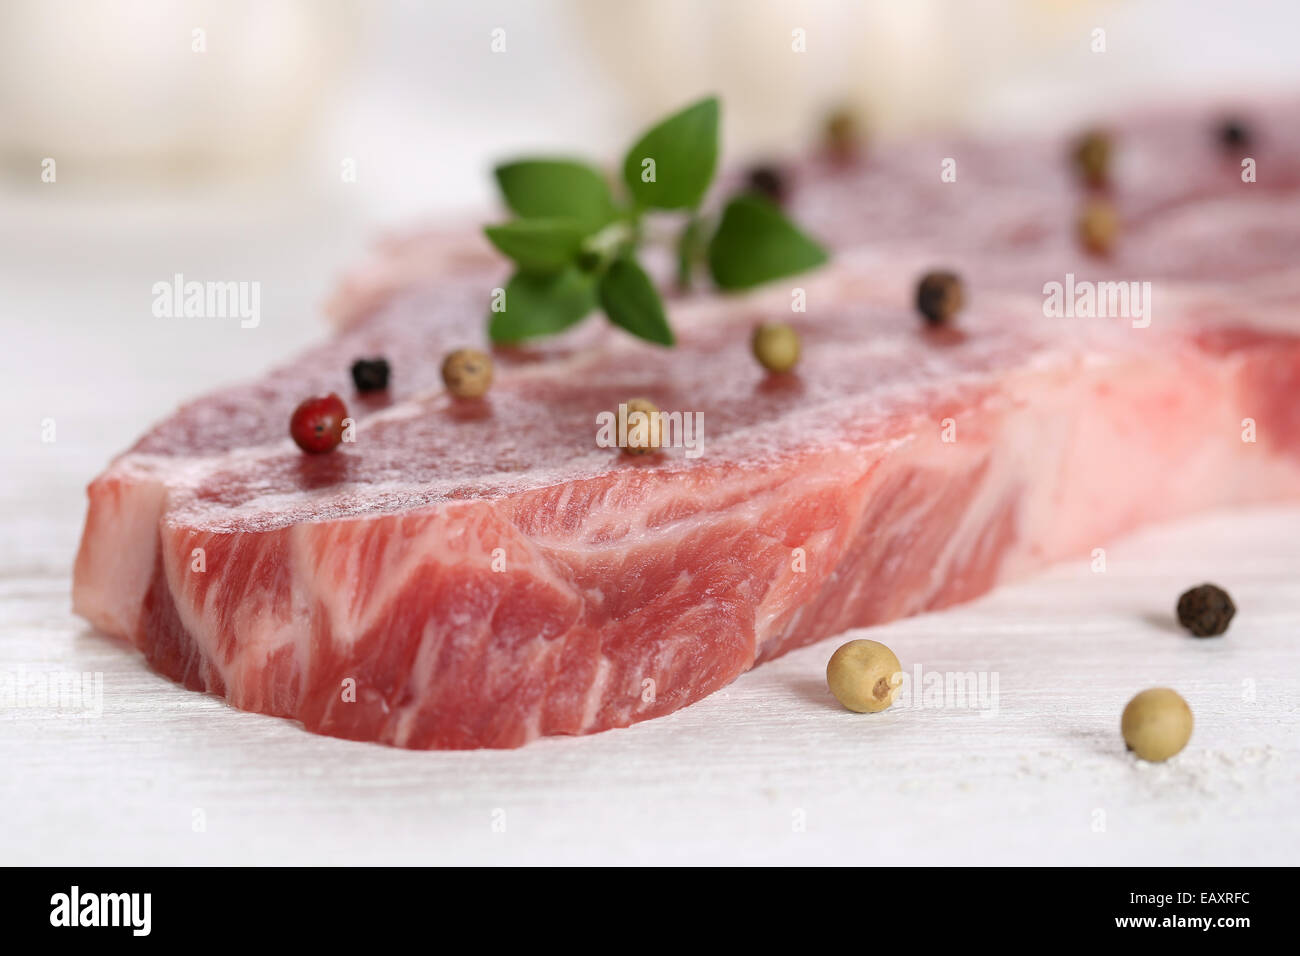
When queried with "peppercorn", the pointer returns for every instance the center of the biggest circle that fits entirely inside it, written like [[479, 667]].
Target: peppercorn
[[1206, 610], [467, 373], [317, 423], [842, 136], [1156, 724], [864, 676], [1233, 134], [776, 346], [1092, 157], [1098, 226], [940, 296], [639, 427], [769, 182], [370, 375]]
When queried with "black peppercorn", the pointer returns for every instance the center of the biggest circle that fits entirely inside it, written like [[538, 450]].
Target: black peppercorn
[[939, 296], [768, 182], [370, 375], [1233, 134], [1206, 611]]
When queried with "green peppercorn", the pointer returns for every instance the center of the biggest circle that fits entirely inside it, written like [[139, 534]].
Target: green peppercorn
[[1156, 724], [776, 346], [640, 429], [940, 296], [864, 676], [1092, 157], [1098, 226], [467, 373], [842, 135]]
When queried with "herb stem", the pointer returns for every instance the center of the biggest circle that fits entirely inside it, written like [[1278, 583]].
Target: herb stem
[[606, 245], [690, 250]]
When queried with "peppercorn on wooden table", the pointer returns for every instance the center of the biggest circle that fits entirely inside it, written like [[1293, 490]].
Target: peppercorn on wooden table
[[1006, 749]]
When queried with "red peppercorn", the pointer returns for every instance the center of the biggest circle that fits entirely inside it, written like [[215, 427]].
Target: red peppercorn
[[317, 424]]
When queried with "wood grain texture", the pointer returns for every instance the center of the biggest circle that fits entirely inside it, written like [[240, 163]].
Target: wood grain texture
[[768, 770]]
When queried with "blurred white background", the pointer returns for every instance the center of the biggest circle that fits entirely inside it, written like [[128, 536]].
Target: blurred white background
[[281, 91]]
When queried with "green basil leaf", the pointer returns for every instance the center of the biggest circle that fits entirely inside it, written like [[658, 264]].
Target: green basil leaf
[[755, 243], [630, 301], [684, 149], [538, 245], [557, 188], [542, 304]]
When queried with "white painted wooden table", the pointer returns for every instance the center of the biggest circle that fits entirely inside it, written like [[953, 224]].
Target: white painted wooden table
[[768, 770]]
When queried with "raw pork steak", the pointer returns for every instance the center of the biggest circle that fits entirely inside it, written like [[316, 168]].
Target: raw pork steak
[[486, 574]]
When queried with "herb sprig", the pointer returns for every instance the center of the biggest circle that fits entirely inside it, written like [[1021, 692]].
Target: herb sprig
[[574, 245]]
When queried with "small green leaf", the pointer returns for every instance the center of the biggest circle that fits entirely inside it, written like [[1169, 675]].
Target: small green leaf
[[538, 245], [684, 151], [755, 243], [557, 188], [630, 301], [542, 304]]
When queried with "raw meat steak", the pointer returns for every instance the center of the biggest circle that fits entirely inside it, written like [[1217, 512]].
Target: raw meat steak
[[485, 574]]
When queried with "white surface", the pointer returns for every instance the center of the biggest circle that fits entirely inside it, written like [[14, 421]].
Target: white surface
[[729, 779]]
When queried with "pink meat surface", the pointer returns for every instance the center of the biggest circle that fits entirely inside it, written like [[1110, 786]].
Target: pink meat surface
[[482, 573]]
